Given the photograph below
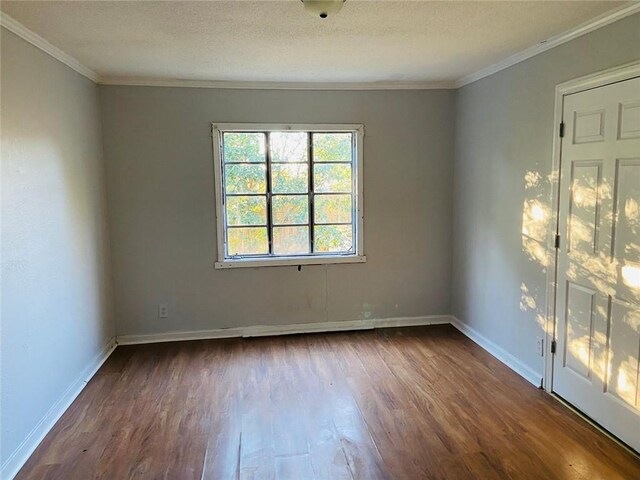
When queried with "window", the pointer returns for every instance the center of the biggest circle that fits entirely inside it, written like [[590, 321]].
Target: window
[[288, 194]]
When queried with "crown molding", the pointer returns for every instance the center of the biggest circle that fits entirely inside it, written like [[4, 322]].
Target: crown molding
[[601, 21], [36, 40], [248, 85]]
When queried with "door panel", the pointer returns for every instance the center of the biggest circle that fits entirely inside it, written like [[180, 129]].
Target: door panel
[[627, 211], [584, 206], [579, 329], [597, 367], [588, 126], [624, 338], [629, 120]]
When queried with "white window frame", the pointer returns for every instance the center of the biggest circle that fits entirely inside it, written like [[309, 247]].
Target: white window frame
[[223, 262]]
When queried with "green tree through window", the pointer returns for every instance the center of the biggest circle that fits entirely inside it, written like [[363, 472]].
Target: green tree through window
[[288, 193]]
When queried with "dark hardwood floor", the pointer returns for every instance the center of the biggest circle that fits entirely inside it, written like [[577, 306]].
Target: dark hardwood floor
[[418, 403]]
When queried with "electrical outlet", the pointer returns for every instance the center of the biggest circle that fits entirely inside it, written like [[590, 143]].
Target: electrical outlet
[[163, 311], [540, 346]]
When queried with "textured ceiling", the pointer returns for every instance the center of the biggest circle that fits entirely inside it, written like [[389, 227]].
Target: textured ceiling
[[368, 41]]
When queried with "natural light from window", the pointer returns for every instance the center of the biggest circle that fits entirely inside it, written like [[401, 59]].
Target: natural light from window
[[288, 196]]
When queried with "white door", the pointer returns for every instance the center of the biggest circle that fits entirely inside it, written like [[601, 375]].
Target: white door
[[596, 364]]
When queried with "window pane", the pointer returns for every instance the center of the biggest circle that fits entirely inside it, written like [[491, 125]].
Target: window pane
[[288, 146], [245, 178], [332, 178], [290, 209], [332, 209], [290, 178], [333, 238], [290, 240], [247, 241], [331, 147], [246, 210], [244, 147]]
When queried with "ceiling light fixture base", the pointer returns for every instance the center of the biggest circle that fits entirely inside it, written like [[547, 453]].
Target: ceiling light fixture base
[[323, 8]]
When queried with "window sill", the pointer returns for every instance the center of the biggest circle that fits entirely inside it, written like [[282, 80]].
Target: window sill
[[290, 261]]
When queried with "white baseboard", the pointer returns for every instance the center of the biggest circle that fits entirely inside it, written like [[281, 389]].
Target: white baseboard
[[500, 353], [18, 458], [268, 330]]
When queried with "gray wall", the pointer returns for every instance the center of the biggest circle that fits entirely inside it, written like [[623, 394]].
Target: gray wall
[[161, 197], [56, 293], [503, 158], [56, 315]]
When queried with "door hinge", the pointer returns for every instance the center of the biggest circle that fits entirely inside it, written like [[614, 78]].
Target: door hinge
[[553, 346], [561, 130], [557, 242]]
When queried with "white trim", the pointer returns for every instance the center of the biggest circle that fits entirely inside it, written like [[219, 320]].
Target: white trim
[[599, 79], [269, 330], [357, 131], [291, 127], [365, 324], [594, 424], [601, 21], [500, 353], [252, 85], [587, 82], [412, 321], [37, 41], [20, 455], [290, 261], [551, 253]]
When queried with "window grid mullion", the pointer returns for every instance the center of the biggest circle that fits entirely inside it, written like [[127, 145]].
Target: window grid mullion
[[269, 213], [290, 163], [223, 182], [284, 225], [230, 227], [335, 163], [246, 194], [311, 197], [334, 193], [311, 194], [329, 224], [354, 190]]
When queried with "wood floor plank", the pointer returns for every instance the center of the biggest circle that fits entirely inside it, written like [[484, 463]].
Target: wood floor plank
[[406, 403]]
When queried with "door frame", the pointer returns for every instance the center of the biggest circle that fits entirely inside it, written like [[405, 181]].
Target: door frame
[[580, 84]]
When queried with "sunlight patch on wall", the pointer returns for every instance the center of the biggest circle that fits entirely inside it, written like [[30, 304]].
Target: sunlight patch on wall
[[534, 219], [532, 179], [536, 215], [527, 302]]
